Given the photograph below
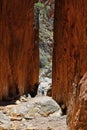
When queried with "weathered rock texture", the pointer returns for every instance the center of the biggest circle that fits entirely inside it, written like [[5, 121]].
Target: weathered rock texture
[[70, 47], [19, 64], [77, 111]]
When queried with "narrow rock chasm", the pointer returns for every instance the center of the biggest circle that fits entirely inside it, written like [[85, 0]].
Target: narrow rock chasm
[[46, 23], [43, 49]]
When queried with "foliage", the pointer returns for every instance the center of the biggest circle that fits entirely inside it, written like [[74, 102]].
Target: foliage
[[42, 8], [39, 5]]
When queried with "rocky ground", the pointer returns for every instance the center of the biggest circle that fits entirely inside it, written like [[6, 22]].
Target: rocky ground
[[39, 113]]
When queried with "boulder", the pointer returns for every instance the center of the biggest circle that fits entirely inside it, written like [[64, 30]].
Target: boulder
[[39, 106]]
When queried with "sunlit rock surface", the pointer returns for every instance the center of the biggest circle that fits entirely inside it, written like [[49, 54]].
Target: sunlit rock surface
[[19, 48], [77, 111], [70, 47]]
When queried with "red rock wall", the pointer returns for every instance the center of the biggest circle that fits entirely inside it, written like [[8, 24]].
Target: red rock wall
[[77, 111], [19, 57], [70, 47]]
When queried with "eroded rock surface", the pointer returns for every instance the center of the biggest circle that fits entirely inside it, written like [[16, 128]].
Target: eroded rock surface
[[19, 48], [70, 47], [77, 111]]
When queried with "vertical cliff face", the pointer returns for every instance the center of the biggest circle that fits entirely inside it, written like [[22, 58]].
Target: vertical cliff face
[[70, 47], [18, 49], [77, 111]]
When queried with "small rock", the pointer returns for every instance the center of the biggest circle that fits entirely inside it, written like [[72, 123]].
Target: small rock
[[29, 96], [48, 128], [23, 99], [4, 127], [31, 128], [49, 75], [16, 118], [48, 80], [17, 102], [14, 126], [27, 117]]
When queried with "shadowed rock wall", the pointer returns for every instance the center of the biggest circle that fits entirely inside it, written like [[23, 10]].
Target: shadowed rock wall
[[70, 47], [18, 50]]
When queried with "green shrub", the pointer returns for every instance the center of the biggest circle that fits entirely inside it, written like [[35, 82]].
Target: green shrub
[[39, 5]]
